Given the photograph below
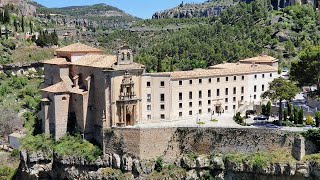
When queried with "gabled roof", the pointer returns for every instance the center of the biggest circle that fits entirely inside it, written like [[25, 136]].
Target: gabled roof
[[78, 47], [56, 61], [99, 61], [59, 87], [261, 58], [226, 69]]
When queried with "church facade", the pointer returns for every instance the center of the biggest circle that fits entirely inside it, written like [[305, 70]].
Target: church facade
[[88, 91]]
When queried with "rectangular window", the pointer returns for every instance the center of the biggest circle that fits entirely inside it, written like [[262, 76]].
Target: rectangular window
[[234, 106], [149, 107], [200, 111], [218, 79], [209, 93], [190, 81], [242, 90], [148, 84], [162, 116], [227, 79], [180, 83], [209, 80], [226, 108], [226, 100], [200, 94], [242, 98], [209, 102], [180, 114], [190, 104], [180, 96], [200, 103], [149, 117], [200, 81], [218, 92], [162, 83], [190, 113], [255, 76], [190, 95], [209, 110], [162, 97], [234, 99], [162, 106], [180, 105], [255, 96], [262, 87], [255, 88], [242, 78], [148, 97], [270, 74], [262, 75], [227, 91], [234, 78], [234, 90]]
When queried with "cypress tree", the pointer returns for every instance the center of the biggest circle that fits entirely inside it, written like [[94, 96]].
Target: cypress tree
[[15, 24], [300, 116], [31, 27], [6, 16], [22, 23]]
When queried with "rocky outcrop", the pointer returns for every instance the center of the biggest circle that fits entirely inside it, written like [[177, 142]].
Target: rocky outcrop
[[215, 7], [113, 166]]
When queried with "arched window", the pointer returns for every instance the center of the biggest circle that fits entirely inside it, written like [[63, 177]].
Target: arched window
[[123, 56], [128, 56], [64, 98]]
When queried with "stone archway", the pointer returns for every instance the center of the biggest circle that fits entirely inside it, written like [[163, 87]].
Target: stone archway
[[128, 120]]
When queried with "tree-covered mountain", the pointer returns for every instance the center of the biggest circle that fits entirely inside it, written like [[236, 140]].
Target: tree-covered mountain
[[242, 31]]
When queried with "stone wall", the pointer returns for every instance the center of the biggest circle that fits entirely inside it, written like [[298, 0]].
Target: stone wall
[[149, 143]]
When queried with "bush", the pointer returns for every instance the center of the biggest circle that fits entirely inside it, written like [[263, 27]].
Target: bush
[[6, 172], [313, 135], [18, 82], [76, 146], [36, 143], [309, 120], [238, 119], [159, 164]]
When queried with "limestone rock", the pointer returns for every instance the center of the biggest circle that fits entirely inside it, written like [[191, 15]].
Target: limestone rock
[[147, 166], [202, 162], [303, 169], [192, 175], [188, 163], [126, 163], [116, 162], [217, 162], [136, 168]]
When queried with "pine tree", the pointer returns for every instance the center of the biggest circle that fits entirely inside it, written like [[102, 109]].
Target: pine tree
[[31, 27], [22, 23], [15, 24], [6, 16]]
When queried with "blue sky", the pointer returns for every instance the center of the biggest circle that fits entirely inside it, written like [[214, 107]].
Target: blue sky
[[139, 8]]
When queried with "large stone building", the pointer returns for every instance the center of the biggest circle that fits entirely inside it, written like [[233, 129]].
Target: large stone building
[[90, 91]]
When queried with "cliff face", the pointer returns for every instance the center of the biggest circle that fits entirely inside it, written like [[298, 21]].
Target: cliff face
[[25, 6], [113, 166], [215, 7]]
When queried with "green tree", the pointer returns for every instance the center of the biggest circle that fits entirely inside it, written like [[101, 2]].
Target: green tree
[[15, 24], [317, 118], [306, 71], [263, 109], [280, 90], [289, 109], [295, 115], [300, 116], [31, 27], [268, 108], [285, 115], [6, 16], [22, 23]]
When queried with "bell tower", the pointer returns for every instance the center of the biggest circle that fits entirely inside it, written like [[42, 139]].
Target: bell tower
[[125, 55]]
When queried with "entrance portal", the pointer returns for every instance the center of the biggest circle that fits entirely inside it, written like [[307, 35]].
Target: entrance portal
[[128, 120]]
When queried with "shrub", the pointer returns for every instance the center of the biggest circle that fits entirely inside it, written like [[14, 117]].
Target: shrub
[[18, 82], [238, 119], [76, 146], [313, 135], [36, 143], [6, 172], [159, 164], [309, 120]]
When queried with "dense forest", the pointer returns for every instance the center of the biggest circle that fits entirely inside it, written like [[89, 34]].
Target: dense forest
[[244, 30]]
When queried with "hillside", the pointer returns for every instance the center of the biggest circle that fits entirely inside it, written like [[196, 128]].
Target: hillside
[[212, 8], [242, 31]]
